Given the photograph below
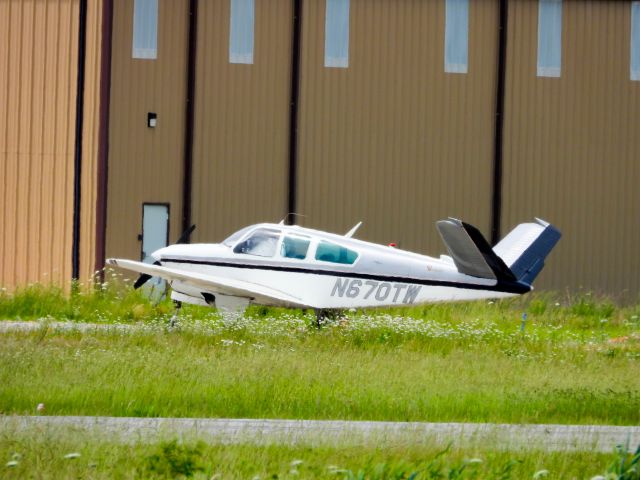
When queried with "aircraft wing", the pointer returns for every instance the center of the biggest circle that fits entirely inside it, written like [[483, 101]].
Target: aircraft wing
[[210, 283]]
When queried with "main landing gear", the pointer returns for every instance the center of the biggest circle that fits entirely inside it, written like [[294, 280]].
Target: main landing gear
[[174, 318]]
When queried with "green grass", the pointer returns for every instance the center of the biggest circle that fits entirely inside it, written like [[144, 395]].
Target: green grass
[[107, 302], [471, 364], [64, 455], [115, 301], [574, 361]]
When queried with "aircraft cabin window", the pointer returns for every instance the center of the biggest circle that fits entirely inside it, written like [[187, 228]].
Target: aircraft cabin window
[[261, 243], [294, 247], [330, 252]]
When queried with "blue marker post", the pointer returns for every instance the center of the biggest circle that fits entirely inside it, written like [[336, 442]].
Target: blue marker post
[[524, 321]]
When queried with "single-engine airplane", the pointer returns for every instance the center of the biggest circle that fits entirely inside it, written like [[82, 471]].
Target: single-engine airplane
[[292, 266]]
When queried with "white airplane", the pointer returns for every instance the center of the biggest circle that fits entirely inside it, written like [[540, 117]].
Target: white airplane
[[291, 266]]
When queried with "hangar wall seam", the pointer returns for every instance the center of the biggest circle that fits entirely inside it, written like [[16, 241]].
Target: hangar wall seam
[[496, 198], [187, 181], [77, 163], [103, 135], [292, 201]]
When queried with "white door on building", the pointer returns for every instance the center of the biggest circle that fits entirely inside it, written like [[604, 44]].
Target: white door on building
[[155, 235], [155, 229]]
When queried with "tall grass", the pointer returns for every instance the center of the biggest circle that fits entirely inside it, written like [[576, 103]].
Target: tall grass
[[376, 368], [567, 363], [100, 303], [30, 455], [573, 360], [115, 301]]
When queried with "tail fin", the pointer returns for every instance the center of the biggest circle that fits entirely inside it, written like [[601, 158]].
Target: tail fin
[[470, 251], [525, 248], [518, 258]]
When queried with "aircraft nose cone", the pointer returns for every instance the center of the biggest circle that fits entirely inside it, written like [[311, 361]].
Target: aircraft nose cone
[[158, 254]]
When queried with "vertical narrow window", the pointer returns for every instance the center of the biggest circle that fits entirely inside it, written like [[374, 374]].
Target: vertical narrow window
[[145, 29], [336, 34], [241, 31], [456, 36], [549, 38], [635, 41]]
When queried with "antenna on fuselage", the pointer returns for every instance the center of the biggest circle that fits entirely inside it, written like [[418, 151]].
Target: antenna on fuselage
[[351, 232]]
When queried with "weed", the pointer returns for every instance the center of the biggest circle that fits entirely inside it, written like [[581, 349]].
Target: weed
[[626, 465], [173, 459]]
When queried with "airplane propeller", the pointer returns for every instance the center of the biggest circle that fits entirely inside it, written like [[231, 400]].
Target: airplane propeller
[[145, 277]]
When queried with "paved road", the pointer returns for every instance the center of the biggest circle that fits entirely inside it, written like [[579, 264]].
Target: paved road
[[320, 432], [32, 325]]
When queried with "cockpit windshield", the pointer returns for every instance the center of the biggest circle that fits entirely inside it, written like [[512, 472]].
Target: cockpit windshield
[[262, 243], [231, 240]]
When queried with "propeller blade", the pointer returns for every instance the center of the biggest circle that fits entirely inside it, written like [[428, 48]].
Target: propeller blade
[[186, 234], [144, 277]]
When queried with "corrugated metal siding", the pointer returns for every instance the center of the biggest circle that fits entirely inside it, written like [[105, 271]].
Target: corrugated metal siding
[[90, 139], [241, 121], [572, 143], [394, 140], [146, 164], [38, 63]]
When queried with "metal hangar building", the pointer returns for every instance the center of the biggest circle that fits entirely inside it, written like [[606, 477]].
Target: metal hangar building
[[123, 122]]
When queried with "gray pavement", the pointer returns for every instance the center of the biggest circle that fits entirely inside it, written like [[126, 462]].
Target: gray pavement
[[54, 325], [598, 438]]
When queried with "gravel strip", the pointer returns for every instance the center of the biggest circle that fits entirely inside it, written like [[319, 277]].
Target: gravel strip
[[57, 326], [597, 438]]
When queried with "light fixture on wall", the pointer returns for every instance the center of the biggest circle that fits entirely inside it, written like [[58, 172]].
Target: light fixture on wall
[[152, 119]]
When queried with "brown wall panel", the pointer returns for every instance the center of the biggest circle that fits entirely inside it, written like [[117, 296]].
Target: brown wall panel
[[572, 143], [38, 68], [146, 164], [241, 121], [393, 140]]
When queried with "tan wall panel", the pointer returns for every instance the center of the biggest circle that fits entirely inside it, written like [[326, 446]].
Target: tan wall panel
[[393, 140], [242, 121], [146, 164], [38, 68], [572, 144]]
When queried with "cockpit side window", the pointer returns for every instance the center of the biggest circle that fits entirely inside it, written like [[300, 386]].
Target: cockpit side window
[[330, 252], [294, 247], [261, 243]]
